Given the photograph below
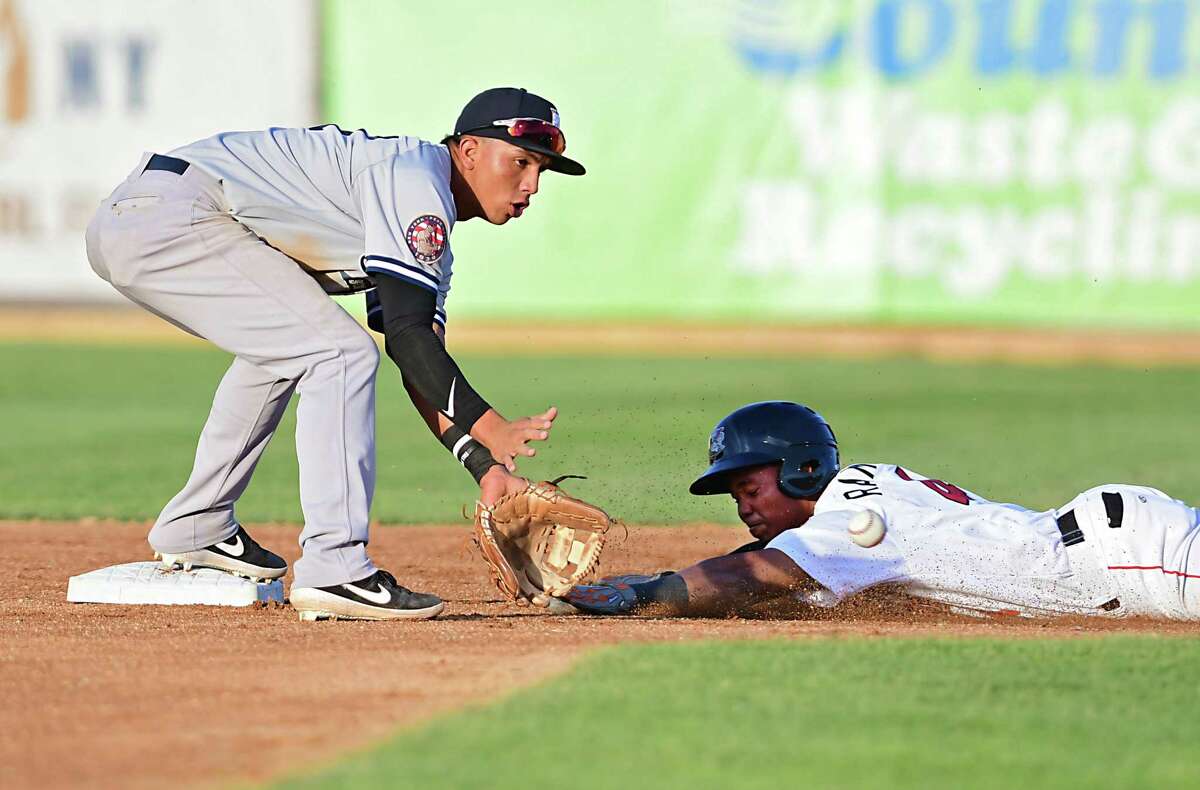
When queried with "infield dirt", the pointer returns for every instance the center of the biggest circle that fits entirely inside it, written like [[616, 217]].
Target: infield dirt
[[98, 695]]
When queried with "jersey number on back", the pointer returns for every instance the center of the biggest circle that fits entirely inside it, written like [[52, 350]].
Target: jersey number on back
[[947, 490]]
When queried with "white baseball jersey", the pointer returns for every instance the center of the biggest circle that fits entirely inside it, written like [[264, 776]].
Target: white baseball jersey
[[942, 543], [342, 204]]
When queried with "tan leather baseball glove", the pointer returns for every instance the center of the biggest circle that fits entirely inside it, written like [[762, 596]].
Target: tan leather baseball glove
[[540, 542]]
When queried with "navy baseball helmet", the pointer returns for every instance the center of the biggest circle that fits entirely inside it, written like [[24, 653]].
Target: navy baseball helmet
[[794, 436]]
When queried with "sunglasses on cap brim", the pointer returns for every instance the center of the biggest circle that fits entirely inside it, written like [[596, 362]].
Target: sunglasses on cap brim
[[529, 128]]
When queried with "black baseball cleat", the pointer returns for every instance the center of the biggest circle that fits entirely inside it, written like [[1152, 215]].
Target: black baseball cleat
[[239, 555], [377, 597]]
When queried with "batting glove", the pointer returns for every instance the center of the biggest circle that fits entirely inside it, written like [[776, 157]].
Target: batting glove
[[605, 598]]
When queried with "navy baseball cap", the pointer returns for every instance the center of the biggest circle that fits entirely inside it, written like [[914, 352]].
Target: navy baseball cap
[[519, 118]]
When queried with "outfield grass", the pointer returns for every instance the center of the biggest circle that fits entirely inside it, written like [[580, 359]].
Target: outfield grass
[[1116, 712], [110, 432]]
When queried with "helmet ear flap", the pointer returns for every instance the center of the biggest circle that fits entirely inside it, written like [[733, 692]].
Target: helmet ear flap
[[789, 488], [807, 469]]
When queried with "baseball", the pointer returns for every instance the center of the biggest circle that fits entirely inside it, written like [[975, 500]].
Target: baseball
[[867, 528]]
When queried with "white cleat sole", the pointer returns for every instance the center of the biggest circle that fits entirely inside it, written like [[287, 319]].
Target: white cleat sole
[[208, 559], [313, 604]]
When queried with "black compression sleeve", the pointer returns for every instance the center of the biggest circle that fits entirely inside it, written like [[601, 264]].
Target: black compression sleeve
[[417, 351]]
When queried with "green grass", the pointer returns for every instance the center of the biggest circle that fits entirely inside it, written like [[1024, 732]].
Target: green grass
[[1116, 712], [103, 431]]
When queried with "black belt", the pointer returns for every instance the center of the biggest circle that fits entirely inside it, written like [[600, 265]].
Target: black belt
[[1068, 525], [1114, 507], [168, 163]]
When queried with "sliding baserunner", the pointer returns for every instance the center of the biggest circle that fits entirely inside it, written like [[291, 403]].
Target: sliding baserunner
[[823, 532]]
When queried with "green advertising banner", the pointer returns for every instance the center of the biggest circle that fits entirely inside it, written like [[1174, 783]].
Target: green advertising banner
[[992, 161]]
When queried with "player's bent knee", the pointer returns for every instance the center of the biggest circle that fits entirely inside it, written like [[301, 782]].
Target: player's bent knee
[[355, 357], [362, 356]]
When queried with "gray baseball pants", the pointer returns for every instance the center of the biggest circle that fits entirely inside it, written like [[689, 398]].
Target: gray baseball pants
[[169, 243]]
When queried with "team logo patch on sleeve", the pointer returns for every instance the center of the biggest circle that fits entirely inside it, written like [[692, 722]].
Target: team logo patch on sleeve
[[426, 238]]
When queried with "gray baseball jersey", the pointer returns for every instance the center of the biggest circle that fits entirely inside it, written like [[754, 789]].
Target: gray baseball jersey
[[343, 204], [213, 247]]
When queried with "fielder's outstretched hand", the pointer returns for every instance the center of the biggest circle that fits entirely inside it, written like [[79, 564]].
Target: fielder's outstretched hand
[[507, 439]]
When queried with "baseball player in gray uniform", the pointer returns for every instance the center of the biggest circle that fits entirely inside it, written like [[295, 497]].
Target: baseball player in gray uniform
[[241, 238]]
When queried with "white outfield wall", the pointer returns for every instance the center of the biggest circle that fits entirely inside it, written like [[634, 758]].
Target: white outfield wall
[[85, 88]]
